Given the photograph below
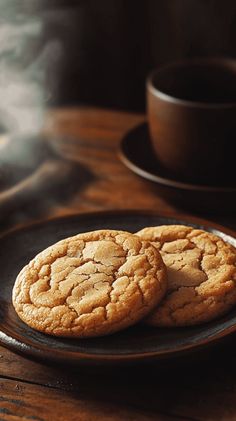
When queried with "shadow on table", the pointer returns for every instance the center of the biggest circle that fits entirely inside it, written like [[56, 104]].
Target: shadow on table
[[53, 184], [186, 388]]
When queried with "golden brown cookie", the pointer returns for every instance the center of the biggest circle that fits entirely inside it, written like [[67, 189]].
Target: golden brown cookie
[[201, 270], [91, 284]]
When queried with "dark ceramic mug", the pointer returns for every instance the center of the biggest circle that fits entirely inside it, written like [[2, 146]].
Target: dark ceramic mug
[[191, 107]]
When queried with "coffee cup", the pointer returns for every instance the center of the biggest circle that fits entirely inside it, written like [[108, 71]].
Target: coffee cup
[[191, 109]]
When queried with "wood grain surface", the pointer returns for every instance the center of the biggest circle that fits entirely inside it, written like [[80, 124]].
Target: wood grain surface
[[201, 387]]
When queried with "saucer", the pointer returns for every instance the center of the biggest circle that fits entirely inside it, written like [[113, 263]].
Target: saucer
[[137, 154]]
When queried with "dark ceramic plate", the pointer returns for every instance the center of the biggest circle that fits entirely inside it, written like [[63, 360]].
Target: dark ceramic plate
[[137, 154], [135, 343]]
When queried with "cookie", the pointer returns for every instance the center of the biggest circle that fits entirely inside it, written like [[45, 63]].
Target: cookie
[[201, 271], [91, 284]]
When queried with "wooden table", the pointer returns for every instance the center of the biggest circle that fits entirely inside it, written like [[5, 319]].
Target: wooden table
[[199, 387]]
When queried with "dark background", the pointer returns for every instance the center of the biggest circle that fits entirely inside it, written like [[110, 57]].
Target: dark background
[[109, 46]]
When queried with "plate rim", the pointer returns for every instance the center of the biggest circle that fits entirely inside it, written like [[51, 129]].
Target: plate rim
[[88, 358]]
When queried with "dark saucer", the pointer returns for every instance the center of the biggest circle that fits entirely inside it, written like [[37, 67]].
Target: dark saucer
[[137, 154]]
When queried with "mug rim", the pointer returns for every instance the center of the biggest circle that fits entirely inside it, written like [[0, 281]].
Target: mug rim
[[157, 92]]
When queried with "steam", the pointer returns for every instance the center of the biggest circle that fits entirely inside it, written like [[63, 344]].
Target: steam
[[27, 73], [33, 176]]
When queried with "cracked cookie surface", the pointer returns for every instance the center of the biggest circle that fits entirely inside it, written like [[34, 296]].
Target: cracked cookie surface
[[91, 284], [201, 271]]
